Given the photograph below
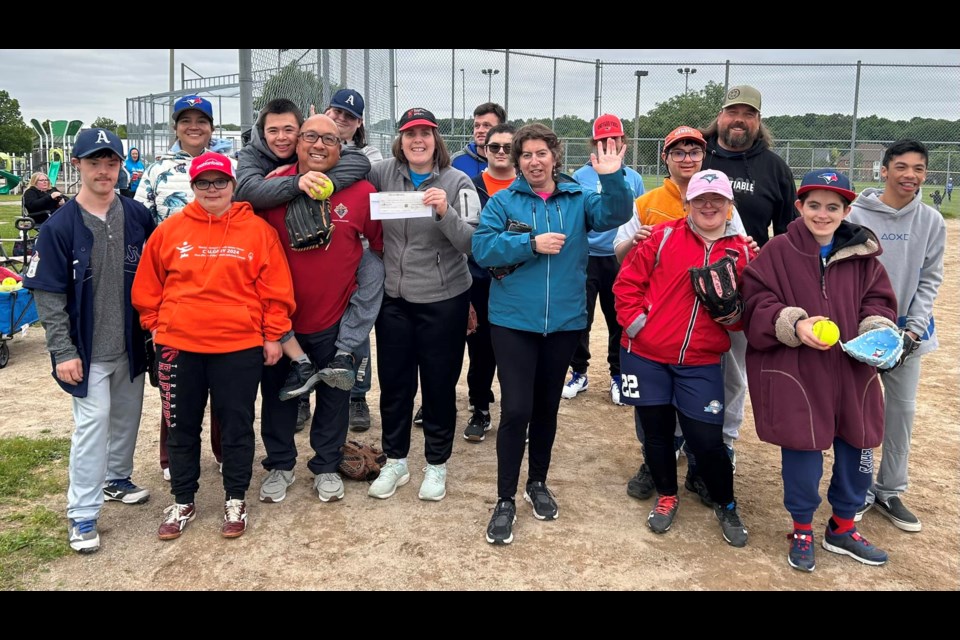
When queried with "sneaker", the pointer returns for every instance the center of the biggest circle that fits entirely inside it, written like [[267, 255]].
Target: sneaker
[[303, 413], [234, 518], [341, 372], [862, 510], [732, 454], [359, 415], [733, 530], [578, 382], [500, 529], [801, 554], [274, 487], [178, 515], [434, 485], [301, 379], [641, 485], [678, 448], [477, 427], [899, 515], [661, 518], [544, 506], [615, 391], [329, 486], [220, 467], [854, 545], [166, 474], [695, 484], [83, 536], [393, 474], [418, 418], [125, 491]]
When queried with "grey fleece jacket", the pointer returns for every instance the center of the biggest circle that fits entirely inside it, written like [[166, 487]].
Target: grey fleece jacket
[[914, 240], [425, 259]]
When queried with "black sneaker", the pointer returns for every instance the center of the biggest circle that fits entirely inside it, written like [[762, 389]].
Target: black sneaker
[[301, 379], [899, 515], [341, 372], [303, 412], [661, 518], [866, 506], [641, 485], [477, 427], [854, 545], [801, 554], [418, 417], [733, 530], [695, 484], [500, 529], [123, 490], [544, 506], [359, 415]]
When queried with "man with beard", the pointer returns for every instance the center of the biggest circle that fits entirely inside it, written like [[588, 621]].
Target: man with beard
[[764, 191]]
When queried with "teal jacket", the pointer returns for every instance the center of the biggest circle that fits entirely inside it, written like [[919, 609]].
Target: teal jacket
[[547, 293]]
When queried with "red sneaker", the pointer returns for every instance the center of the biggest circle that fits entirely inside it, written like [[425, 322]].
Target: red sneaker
[[234, 519], [178, 515]]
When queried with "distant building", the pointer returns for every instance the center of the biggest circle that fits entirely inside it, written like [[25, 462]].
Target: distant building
[[867, 162]]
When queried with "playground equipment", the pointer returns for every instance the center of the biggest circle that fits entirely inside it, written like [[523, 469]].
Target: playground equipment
[[8, 182], [57, 136]]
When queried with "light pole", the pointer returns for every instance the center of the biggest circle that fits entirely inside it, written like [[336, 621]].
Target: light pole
[[686, 71], [640, 73], [463, 87], [489, 73]]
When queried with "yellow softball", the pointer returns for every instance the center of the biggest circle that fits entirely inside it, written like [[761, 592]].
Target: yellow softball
[[826, 331], [323, 192]]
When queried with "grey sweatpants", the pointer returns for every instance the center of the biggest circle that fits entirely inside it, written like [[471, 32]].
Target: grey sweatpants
[[364, 306], [734, 386], [900, 400]]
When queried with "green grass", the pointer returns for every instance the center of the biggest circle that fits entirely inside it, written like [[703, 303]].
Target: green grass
[[31, 472]]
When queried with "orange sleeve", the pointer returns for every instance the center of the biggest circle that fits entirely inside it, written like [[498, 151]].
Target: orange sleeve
[[275, 289]]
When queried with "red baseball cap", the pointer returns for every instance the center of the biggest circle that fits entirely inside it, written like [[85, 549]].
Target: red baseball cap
[[683, 132], [211, 161], [607, 126]]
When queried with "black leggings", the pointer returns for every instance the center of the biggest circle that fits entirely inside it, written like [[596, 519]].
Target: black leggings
[[704, 439]]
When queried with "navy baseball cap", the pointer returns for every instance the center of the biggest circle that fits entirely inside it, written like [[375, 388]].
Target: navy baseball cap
[[90, 141], [192, 102], [827, 179], [348, 100]]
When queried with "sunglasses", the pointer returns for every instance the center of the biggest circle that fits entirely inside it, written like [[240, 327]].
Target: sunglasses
[[493, 147]]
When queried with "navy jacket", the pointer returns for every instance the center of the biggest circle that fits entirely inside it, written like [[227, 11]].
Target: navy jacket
[[61, 264]]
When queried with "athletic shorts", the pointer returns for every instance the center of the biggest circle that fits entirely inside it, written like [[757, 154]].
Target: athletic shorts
[[695, 390]]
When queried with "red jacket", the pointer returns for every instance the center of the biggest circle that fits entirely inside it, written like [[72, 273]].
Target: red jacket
[[662, 318], [803, 398], [211, 284]]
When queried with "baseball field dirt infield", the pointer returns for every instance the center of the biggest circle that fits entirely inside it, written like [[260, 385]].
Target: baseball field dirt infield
[[600, 540]]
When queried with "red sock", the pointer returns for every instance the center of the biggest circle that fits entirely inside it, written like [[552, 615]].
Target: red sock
[[842, 525], [803, 528]]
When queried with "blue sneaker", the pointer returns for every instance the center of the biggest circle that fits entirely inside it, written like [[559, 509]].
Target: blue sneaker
[[801, 554], [125, 491], [83, 536], [577, 383], [854, 545]]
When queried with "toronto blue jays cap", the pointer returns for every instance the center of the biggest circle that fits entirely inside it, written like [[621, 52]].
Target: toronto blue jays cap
[[192, 102], [827, 179]]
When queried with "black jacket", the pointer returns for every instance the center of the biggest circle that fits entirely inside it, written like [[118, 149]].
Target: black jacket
[[35, 201]]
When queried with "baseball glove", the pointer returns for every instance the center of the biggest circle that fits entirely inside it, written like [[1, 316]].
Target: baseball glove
[[361, 461], [879, 348], [716, 286], [308, 223]]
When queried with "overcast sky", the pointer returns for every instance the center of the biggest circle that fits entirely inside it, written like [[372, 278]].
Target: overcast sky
[[66, 84]]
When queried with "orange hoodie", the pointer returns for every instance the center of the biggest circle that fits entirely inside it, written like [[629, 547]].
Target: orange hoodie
[[211, 284]]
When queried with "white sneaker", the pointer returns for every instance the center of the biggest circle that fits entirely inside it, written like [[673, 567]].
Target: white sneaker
[[393, 474], [578, 382], [434, 486], [615, 391], [166, 474]]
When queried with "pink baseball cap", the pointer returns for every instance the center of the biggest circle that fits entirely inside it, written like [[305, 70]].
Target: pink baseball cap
[[709, 181], [211, 161]]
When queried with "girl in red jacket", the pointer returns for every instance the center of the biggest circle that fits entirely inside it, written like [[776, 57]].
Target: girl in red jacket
[[671, 347], [808, 395], [215, 291]]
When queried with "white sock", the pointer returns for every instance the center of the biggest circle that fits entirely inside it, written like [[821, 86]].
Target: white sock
[[302, 359]]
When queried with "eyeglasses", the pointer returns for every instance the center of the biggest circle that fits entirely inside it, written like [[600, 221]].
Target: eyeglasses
[[43, 179], [493, 147], [219, 183], [716, 202], [311, 137], [678, 155]]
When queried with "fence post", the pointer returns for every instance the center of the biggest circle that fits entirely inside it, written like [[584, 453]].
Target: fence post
[[596, 90], [506, 80], [553, 107], [853, 130], [453, 87]]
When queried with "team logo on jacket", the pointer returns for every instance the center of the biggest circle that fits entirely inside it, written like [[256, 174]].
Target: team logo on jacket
[[185, 249], [714, 407], [340, 210], [828, 177]]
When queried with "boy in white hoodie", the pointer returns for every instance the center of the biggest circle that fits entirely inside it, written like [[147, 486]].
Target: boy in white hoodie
[[913, 236]]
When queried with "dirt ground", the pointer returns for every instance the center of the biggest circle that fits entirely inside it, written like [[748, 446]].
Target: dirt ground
[[600, 540]]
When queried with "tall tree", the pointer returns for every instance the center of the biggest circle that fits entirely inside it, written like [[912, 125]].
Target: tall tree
[[301, 87], [15, 135], [105, 123]]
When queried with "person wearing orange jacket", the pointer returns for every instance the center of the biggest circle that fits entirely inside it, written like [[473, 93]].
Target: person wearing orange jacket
[[215, 291]]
